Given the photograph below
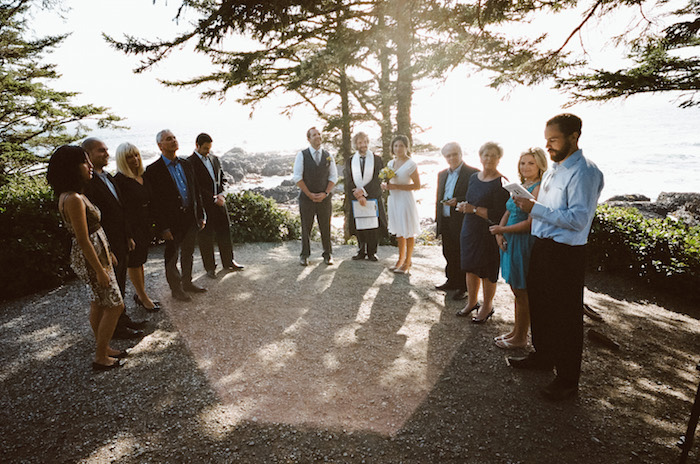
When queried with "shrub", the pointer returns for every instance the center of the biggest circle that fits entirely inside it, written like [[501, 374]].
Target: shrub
[[255, 218], [662, 252], [34, 245]]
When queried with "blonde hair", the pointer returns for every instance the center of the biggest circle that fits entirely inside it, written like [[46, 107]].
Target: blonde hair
[[123, 151], [540, 160], [358, 136], [488, 146]]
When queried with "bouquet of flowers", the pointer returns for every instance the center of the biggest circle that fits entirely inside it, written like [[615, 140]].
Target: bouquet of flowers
[[386, 173]]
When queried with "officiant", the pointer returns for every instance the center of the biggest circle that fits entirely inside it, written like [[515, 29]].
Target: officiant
[[366, 217]]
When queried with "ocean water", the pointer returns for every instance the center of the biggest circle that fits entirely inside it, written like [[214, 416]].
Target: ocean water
[[644, 150]]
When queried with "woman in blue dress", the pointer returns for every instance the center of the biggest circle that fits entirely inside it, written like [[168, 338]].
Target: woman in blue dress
[[485, 204], [514, 240]]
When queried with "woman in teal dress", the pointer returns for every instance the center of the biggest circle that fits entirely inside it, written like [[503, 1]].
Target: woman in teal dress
[[514, 240]]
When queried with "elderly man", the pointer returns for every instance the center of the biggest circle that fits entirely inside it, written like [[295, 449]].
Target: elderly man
[[316, 174], [561, 220], [362, 184], [211, 181], [177, 212], [453, 183], [104, 193]]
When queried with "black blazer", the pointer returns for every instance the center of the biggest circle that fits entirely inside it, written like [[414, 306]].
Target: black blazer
[[208, 188], [114, 220], [373, 189], [460, 193], [166, 202]]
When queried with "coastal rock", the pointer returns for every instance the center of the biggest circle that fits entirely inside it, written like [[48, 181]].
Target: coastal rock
[[629, 197], [679, 205], [237, 163], [281, 194]]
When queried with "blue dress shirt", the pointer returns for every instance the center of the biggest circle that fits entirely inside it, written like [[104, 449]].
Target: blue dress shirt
[[567, 201], [450, 184], [178, 174]]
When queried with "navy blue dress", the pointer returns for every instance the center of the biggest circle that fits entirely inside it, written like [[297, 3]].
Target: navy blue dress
[[480, 252]]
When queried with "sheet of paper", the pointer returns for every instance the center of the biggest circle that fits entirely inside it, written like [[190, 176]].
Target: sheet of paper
[[371, 209], [517, 190], [364, 223]]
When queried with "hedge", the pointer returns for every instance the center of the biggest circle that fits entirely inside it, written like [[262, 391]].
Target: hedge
[[661, 252]]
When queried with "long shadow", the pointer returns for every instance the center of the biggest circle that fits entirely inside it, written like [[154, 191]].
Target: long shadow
[[162, 408]]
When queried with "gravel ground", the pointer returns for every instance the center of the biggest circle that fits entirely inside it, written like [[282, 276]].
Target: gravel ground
[[346, 363]]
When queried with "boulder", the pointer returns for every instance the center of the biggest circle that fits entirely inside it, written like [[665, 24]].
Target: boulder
[[238, 163], [683, 206]]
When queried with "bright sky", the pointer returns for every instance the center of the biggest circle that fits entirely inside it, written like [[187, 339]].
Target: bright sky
[[462, 108]]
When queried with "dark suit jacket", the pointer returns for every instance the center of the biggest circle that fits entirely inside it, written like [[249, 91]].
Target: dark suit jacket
[[209, 188], [460, 193], [373, 189], [114, 220], [166, 202]]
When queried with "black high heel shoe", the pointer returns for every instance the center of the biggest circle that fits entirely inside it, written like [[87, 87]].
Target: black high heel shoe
[[156, 304], [481, 321]]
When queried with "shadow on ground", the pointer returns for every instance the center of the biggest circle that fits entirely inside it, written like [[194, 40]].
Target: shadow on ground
[[184, 398]]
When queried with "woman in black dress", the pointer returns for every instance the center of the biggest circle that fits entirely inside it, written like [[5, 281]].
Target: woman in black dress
[[485, 205], [136, 198]]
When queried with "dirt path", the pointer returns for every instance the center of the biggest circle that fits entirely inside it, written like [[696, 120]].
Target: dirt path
[[347, 363]]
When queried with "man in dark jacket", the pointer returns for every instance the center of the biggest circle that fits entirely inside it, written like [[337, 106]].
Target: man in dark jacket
[[178, 213], [211, 181], [452, 188], [103, 192]]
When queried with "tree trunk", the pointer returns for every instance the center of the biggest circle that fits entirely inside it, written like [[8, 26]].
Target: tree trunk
[[404, 71], [345, 129], [385, 93]]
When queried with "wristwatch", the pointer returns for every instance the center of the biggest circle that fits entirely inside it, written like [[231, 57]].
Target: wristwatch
[[474, 210]]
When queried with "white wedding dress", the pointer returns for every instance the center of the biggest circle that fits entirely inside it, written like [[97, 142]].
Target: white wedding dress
[[402, 210]]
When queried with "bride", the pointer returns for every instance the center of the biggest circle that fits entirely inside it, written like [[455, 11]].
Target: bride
[[402, 210]]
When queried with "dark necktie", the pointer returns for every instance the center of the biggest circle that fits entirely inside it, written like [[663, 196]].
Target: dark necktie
[[362, 165]]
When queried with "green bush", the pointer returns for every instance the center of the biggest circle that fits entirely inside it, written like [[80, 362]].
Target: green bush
[[255, 218], [34, 245], [662, 252]]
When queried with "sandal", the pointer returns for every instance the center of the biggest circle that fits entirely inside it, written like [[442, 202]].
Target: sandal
[[466, 311], [506, 345], [481, 321]]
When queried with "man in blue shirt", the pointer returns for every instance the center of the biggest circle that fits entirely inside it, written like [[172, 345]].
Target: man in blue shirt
[[561, 220], [177, 212], [452, 188]]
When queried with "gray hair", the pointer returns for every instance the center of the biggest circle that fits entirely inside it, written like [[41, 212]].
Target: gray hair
[[159, 135], [451, 145]]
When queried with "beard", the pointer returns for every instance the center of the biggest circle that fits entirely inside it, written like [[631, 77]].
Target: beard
[[559, 155]]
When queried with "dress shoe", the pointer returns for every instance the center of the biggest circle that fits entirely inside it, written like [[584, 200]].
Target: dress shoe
[[530, 362], [181, 296], [405, 269], [358, 257], [460, 295], [106, 367], [211, 274], [446, 286], [156, 304], [464, 312], [476, 320], [234, 266], [303, 260], [129, 323], [328, 260], [558, 391], [192, 288], [125, 333], [372, 258]]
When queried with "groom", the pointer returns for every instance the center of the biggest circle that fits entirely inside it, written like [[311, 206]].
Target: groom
[[362, 184]]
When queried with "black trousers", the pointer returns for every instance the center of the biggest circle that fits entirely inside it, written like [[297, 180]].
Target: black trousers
[[367, 241], [555, 291], [309, 210], [182, 248], [451, 250], [218, 229]]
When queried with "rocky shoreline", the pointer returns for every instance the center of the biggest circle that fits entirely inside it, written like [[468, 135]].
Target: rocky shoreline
[[677, 205]]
